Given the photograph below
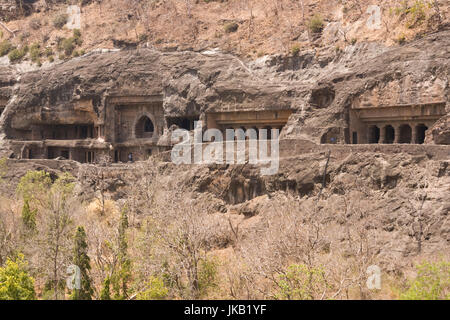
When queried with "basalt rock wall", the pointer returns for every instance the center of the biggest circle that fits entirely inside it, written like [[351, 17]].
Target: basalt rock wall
[[319, 87]]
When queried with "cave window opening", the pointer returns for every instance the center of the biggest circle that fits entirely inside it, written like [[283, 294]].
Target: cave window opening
[[89, 156], [50, 153], [355, 137], [374, 134], [186, 123], [405, 134], [83, 132], [389, 134], [420, 133], [148, 125], [144, 128], [65, 154]]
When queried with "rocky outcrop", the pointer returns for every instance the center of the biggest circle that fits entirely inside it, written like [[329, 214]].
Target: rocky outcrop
[[320, 87], [7, 81]]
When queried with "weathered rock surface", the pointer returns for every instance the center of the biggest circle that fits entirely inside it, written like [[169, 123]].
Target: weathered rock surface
[[320, 87]]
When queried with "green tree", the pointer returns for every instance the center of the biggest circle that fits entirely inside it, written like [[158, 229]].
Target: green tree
[[15, 282], [301, 282], [28, 216], [432, 282], [34, 186], [3, 168], [105, 294], [81, 259], [207, 275], [57, 231], [122, 275], [155, 289]]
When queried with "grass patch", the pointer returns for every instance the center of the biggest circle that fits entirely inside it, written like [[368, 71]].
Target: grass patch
[[316, 24], [60, 20], [5, 47], [231, 27]]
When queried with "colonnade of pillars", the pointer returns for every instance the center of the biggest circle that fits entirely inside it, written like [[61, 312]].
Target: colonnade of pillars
[[256, 130], [397, 133]]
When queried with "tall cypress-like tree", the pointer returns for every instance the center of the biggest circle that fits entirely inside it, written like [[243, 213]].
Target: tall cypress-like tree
[[121, 276], [105, 294], [28, 216], [81, 259]]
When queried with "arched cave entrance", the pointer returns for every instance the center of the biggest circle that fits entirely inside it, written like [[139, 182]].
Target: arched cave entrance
[[405, 134], [389, 134], [420, 133], [374, 134], [144, 128]]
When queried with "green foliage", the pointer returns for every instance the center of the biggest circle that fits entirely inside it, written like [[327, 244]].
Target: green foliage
[[3, 167], [60, 21], [33, 184], [432, 282], [401, 39], [105, 293], [231, 27], [301, 282], [82, 260], [28, 216], [77, 37], [48, 52], [415, 14], [207, 275], [122, 275], [17, 54], [67, 45], [155, 289], [316, 24], [35, 52], [5, 47], [64, 184], [15, 282], [48, 293], [295, 50]]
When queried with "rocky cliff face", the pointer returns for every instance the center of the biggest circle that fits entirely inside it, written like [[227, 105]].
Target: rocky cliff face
[[390, 201], [319, 87]]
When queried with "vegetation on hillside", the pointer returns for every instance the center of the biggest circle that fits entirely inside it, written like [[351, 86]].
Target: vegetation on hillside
[[247, 28], [158, 243]]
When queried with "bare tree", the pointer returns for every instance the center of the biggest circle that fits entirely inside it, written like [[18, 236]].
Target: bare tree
[[55, 234]]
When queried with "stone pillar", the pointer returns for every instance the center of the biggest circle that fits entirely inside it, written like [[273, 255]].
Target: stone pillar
[[382, 134], [397, 133], [368, 132], [413, 133]]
